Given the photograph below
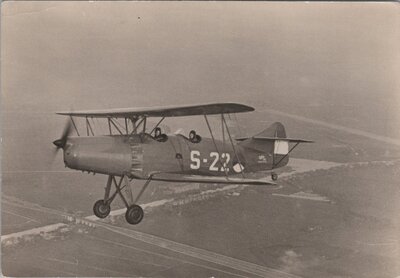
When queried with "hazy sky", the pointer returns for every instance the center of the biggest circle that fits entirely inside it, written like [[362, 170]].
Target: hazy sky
[[330, 61]]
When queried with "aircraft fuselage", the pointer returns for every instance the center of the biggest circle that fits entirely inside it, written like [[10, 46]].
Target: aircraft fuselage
[[140, 155]]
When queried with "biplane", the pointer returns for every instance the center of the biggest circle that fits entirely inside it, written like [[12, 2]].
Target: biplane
[[134, 150]]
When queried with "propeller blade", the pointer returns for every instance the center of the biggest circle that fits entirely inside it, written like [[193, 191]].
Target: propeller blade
[[54, 153], [60, 143], [66, 133]]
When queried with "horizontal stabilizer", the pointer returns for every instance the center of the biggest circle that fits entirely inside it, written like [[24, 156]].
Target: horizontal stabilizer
[[290, 140], [208, 179]]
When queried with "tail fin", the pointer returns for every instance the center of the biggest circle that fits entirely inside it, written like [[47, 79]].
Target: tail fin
[[272, 142], [266, 140], [273, 132], [276, 130]]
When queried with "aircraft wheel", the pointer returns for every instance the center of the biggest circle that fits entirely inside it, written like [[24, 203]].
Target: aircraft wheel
[[134, 214], [274, 176], [101, 209]]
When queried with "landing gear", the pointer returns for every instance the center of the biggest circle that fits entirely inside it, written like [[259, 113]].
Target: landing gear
[[101, 209], [134, 213], [274, 176]]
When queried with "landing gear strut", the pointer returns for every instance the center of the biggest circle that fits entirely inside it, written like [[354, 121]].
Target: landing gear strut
[[274, 176], [134, 213]]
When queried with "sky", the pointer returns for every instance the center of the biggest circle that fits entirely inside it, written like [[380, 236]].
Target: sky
[[337, 62]]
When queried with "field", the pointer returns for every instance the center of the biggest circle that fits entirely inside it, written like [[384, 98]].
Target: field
[[325, 233]]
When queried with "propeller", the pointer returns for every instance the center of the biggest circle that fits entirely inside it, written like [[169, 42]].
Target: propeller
[[60, 143]]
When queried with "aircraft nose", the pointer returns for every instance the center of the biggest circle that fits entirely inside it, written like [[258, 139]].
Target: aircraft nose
[[58, 143]]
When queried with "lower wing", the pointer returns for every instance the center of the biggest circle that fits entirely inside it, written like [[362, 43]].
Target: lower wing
[[207, 179]]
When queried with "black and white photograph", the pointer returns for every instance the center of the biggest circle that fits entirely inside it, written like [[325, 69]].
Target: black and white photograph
[[200, 139]]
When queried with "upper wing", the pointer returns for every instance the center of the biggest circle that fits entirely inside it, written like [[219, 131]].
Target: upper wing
[[170, 111], [208, 179]]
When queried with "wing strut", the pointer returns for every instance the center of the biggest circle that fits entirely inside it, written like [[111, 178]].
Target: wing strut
[[159, 122], [89, 127], [109, 126], [73, 123], [222, 128], [144, 124], [126, 126], [136, 126], [233, 145], [110, 120], [215, 144]]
